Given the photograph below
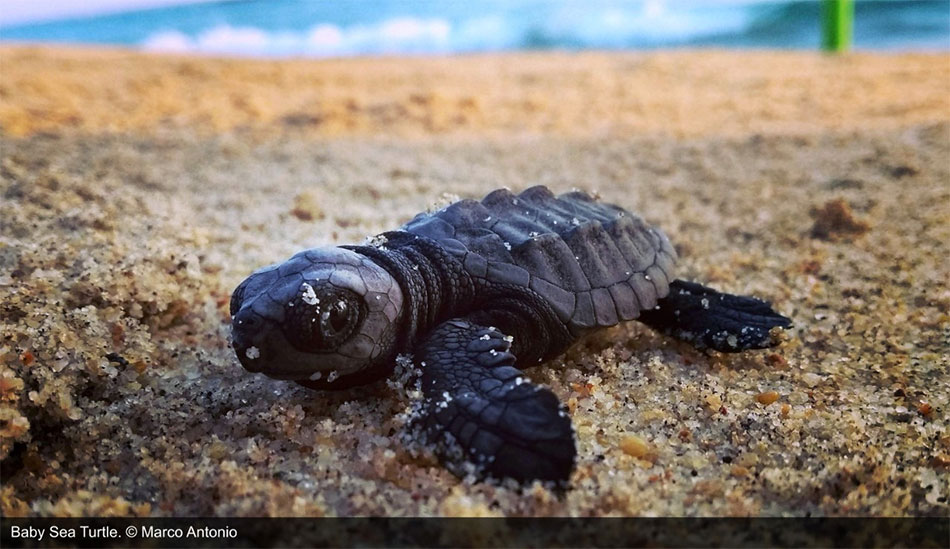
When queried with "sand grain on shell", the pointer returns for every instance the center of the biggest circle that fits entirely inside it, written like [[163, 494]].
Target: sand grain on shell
[[119, 394]]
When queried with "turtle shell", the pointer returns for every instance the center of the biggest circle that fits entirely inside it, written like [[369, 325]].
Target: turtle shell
[[596, 264]]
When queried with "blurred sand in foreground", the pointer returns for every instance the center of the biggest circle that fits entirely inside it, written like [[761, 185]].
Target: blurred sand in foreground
[[138, 191]]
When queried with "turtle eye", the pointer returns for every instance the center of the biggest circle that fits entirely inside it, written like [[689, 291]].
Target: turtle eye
[[320, 321], [337, 321], [339, 317]]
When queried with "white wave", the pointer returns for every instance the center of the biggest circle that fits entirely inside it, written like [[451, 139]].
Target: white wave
[[399, 35], [573, 25], [657, 23]]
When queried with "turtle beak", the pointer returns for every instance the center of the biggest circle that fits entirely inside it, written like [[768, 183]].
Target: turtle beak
[[244, 328]]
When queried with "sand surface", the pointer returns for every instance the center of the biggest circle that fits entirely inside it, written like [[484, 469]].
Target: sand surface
[[137, 191]]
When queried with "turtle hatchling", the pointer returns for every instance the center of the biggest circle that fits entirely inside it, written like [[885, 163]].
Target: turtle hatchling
[[475, 292]]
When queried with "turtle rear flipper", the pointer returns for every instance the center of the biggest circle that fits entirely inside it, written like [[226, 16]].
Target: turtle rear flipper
[[482, 416], [709, 319]]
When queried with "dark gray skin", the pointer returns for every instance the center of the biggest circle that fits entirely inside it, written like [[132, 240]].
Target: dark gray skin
[[477, 291]]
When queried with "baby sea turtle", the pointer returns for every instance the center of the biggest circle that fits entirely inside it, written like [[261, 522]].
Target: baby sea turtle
[[475, 292]]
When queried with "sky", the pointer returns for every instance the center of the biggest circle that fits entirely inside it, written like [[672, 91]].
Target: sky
[[14, 12]]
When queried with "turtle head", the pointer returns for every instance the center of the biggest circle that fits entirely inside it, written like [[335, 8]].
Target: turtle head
[[322, 314]]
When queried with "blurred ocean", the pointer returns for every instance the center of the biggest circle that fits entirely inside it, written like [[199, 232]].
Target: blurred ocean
[[318, 28]]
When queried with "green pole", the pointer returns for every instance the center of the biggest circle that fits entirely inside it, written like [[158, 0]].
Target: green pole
[[837, 24]]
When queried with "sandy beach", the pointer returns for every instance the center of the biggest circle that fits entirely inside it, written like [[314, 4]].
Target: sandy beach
[[139, 190]]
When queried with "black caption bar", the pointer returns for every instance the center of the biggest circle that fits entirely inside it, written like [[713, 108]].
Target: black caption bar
[[500, 532]]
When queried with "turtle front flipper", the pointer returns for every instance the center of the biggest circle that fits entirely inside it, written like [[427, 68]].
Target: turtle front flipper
[[710, 319], [482, 416]]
